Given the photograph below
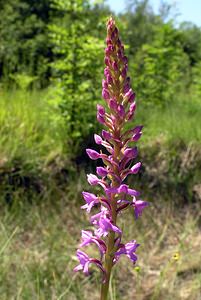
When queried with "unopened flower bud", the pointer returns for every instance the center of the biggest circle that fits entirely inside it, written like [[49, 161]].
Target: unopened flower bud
[[135, 168], [119, 54], [108, 41], [104, 84], [105, 94], [98, 139], [106, 71], [93, 154], [113, 104], [131, 152], [126, 87], [106, 135], [100, 119], [125, 59], [109, 79], [137, 129], [115, 32], [107, 51], [101, 110], [92, 179], [121, 111], [107, 61], [130, 96], [110, 49], [136, 137], [131, 111], [101, 171], [124, 72], [115, 66]]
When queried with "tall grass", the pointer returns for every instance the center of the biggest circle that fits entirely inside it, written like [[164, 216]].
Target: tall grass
[[178, 121], [33, 143], [30, 129], [38, 243]]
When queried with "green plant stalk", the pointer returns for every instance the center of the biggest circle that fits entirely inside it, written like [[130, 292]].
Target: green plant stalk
[[108, 266], [111, 240]]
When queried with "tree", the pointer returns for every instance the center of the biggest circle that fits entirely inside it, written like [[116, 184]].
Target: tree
[[77, 68], [24, 42], [161, 67], [140, 22], [190, 37]]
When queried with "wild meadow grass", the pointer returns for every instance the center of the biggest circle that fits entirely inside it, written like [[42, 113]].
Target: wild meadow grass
[[38, 239], [178, 121], [30, 129], [38, 242]]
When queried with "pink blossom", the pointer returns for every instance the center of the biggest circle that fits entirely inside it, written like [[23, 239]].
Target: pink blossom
[[117, 164]]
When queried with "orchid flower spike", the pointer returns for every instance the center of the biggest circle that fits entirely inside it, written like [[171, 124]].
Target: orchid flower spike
[[120, 143]]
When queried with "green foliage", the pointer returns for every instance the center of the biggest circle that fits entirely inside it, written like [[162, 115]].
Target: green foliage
[[28, 131], [196, 81], [190, 37], [161, 68], [139, 24], [33, 132], [37, 127], [77, 69], [24, 40], [23, 81], [166, 124]]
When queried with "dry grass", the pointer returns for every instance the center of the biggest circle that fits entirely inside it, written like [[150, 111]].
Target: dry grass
[[37, 254]]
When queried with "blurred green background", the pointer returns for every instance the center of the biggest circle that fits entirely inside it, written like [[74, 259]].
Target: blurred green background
[[51, 67]]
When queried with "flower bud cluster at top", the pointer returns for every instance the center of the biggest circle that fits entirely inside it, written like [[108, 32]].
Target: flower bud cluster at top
[[116, 195]]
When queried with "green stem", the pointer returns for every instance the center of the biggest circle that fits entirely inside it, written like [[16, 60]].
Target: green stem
[[108, 259], [108, 267], [110, 244]]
